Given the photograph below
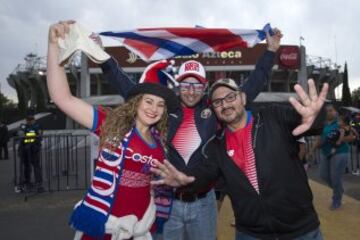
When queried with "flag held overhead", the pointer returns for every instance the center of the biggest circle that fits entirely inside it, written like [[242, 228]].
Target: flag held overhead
[[162, 43]]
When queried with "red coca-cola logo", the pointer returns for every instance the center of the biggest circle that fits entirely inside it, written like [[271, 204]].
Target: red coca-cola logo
[[289, 57]]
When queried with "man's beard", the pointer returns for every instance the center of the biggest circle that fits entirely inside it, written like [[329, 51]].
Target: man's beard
[[235, 120]]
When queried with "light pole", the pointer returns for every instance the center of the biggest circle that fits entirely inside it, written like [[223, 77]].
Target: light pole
[[302, 73]]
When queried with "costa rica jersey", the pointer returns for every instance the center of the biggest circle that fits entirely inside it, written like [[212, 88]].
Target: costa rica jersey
[[133, 193]]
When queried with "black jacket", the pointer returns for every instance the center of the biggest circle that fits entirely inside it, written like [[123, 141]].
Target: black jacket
[[4, 134], [205, 124], [283, 209]]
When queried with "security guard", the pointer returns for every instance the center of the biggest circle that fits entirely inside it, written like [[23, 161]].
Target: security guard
[[29, 149]]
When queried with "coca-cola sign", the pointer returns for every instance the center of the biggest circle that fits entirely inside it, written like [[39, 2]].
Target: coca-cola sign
[[289, 57]]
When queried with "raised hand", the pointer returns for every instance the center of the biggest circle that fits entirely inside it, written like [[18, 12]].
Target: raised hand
[[169, 175], [310, 105], [273, 41], [57, 83], [96, 38], [59, 30]]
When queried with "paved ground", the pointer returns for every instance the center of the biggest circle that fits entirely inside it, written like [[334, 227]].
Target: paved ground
[[351, 182], [343, 224], [45, 216]]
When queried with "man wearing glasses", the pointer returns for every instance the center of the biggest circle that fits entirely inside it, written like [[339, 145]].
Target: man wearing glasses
[[193, 216], [256, 155]]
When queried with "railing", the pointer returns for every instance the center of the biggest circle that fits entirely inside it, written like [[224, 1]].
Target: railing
[[64, 161], [353, 165]]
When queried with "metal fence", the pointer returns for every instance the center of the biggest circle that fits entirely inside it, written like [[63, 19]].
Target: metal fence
[[353, 165], [67, 162], [64, 161]]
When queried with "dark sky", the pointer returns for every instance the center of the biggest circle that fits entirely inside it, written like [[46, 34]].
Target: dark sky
[[330, 28]]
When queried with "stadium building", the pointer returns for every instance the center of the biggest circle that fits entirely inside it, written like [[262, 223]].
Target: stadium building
[[292, 66]]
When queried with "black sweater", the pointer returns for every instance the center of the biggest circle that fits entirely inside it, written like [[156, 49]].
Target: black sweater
[[283, 209]]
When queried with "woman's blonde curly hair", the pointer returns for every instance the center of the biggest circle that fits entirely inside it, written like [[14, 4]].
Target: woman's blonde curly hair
[[121, 119]]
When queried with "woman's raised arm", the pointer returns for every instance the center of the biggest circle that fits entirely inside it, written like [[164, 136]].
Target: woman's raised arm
[[57, 82]]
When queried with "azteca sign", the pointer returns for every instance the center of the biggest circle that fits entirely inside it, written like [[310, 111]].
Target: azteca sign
[[289, 57], [208, 55]]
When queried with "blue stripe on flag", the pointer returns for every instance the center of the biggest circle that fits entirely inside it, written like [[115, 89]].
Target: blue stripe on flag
[[171, 46], [262, 33]]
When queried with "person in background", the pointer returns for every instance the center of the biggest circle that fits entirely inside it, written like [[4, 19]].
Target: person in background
[[302, 152], [4, 139], [355, 124], [29, 150], [347, 132], [335, 151]]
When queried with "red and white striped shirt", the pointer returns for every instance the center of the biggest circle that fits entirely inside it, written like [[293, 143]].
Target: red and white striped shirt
[[187, 138], [239, 148]]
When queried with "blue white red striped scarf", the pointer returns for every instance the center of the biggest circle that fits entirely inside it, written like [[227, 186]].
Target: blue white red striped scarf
[[93, 212], [162, 43]]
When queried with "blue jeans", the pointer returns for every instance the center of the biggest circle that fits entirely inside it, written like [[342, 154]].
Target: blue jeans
[[192, 221], [312, 235], [331, 171]]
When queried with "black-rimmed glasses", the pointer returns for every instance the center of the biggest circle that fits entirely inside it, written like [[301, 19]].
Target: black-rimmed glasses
[[228, 98]]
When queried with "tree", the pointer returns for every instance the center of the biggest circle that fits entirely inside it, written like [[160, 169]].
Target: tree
[[355, 96], [346, 96], [5, 104]]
